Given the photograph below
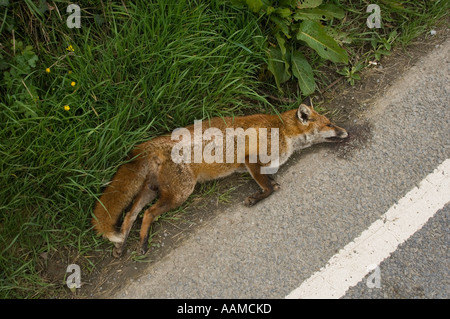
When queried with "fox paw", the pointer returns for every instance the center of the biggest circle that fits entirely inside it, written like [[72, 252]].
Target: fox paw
[[117, 251], [250, 201], [143, 247], [143, 250]]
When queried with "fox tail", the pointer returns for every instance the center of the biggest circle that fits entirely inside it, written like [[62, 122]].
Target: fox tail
[[124, 186]]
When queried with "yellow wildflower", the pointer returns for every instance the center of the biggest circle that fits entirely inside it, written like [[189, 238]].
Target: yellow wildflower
[[70, 48], [73, 83], [66, 107], [47, 70], [70, 72]]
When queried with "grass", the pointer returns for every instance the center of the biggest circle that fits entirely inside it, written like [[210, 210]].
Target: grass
[[140, 70]]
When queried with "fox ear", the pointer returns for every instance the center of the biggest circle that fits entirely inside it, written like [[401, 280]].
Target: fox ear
[[308, 102], [303, 113]]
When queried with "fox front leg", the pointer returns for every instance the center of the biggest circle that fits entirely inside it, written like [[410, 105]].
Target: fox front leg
[[267, 183]]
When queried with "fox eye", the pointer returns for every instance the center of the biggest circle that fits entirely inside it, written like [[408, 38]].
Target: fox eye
[[330, 125]]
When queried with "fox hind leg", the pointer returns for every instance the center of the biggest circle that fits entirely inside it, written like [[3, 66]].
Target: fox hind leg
[[166, 202], [145, 196], [172, 193]]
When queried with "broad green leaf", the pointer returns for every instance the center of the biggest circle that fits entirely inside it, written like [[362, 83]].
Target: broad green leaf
[[333, 10], [32, 61], [281, 42], [255, 5], [282, 24], [302, 70], [29, 56], [283, 12], [308, 4], [277, 66], [324, 12], [311, 14], [339, 36], [315, 36]]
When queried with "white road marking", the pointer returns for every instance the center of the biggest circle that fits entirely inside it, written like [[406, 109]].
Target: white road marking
[[350, 265]]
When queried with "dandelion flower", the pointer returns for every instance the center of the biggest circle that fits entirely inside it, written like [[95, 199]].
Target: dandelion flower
[[66, 107], [70, 48], [73, 83], [47, 70]]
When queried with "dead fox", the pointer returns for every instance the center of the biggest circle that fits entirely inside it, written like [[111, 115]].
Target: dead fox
[[152, 170]]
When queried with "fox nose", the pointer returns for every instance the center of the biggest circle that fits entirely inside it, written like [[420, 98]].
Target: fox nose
[[343, 134]]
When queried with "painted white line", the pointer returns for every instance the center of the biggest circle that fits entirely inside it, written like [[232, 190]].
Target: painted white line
[[350, 265]]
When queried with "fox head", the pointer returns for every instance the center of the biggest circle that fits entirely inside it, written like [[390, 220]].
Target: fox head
[[316, 127]]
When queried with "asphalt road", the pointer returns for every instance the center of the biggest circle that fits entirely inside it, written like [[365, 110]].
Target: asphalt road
[[327, 199]]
